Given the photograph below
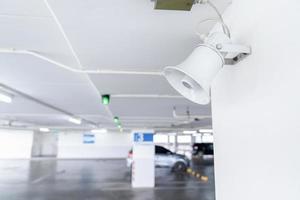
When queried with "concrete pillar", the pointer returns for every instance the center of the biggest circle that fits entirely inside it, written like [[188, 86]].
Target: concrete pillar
[[193, 139], [176, 144], [143, 170], [44, 144]]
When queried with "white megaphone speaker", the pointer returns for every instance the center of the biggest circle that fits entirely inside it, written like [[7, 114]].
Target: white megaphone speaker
[[193, 77]]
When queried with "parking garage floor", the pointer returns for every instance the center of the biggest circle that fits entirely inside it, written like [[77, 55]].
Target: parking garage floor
[[51, 179]]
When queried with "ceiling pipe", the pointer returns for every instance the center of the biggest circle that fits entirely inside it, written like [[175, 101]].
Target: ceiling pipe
[[58, 129], [127, 128], [62, 31], [51, 128], [184, 117], [75, 70], [146, 96]]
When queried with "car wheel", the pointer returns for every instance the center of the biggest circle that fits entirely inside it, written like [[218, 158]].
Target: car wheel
[[179, 167]]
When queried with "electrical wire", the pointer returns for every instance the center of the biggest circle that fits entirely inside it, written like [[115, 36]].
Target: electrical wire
[[224, 26]]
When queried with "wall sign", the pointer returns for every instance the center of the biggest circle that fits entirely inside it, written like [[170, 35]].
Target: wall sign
[[141, 137], [88, 138]]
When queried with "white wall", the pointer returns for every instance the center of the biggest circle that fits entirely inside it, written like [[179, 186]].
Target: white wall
[[15, 144], [107, 145], [256, 105]]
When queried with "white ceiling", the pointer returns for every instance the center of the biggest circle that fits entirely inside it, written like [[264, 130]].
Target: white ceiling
[[130, 34], [112, 35]]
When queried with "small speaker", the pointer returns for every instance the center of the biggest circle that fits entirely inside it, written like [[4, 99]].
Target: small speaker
[[193, 77], [174, 4]]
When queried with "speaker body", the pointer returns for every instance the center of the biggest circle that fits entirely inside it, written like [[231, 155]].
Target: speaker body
[[193, 77]]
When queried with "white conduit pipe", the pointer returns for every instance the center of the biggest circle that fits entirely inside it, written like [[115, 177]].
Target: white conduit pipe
[[176, 116], [59, 64], [146, 96], [62, 31]]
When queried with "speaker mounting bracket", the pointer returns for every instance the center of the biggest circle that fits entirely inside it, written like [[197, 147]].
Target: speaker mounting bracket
[[233, 53]]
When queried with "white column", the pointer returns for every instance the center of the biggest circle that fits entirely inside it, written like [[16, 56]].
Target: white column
[[143, 169]]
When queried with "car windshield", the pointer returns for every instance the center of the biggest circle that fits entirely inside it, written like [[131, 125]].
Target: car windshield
[[159, 150], [162, 150]]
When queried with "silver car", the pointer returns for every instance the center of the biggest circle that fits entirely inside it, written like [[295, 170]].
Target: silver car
[[166, 158]]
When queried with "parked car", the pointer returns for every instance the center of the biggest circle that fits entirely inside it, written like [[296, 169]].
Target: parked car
[[166, 158], [202, 149]]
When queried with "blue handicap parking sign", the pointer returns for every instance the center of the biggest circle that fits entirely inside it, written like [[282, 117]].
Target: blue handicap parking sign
[[143, 137], [137, 137]]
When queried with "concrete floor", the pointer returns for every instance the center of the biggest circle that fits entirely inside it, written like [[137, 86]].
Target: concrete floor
[[50, 179]]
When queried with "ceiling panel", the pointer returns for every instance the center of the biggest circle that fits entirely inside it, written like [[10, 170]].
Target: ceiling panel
[[151, 107], [61, 88], [23, 69], [132, 84], [37, 34], [23, 106], [29, 8]]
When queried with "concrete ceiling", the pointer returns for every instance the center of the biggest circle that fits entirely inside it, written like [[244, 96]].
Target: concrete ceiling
[[112, 35]]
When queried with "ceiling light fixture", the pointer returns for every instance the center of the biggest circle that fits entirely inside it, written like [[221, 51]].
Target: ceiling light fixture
[[5, 97], [44, 129], [102, 130], [205, 131], [116, 120], [189, 132], [118, 123], [75, 120], [193, 77]]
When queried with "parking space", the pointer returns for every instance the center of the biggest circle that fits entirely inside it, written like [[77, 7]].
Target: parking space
[[51, 179]]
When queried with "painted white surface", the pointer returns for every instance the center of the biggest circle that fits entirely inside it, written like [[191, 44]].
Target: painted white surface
[[143, 170], [107, 145], [15, 144], [140, 37], [256, 105]]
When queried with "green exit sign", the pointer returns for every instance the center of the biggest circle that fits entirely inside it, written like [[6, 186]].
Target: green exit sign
[[105, 99]]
